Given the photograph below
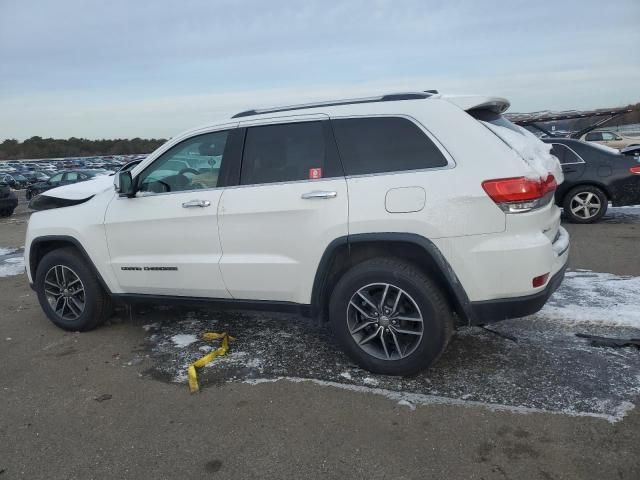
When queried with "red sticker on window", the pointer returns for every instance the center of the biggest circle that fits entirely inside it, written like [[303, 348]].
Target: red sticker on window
[[315, 173]]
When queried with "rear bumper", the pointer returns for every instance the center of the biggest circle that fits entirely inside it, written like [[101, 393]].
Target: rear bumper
[[491, 311]]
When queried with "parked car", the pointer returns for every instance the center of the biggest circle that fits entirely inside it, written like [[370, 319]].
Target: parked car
[[8, 201], [610, 139], [593, 177], [36, 176], [14, 180], [437, 227], [62, 178]]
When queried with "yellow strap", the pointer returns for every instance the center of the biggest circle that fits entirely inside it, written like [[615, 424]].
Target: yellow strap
[[201, 362]]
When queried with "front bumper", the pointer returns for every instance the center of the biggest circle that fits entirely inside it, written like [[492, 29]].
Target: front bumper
[[491, 311]]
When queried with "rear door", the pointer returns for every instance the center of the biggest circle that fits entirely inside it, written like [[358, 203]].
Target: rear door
[[291, 202]]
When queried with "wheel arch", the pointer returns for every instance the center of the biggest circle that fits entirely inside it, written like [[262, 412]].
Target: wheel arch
[[40, 246], [587, 183], [345, 252]]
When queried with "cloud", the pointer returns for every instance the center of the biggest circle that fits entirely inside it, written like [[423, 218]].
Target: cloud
[[150, 68]]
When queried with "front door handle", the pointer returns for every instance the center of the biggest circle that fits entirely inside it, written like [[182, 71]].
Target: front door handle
[[319, 194], [196, 203]]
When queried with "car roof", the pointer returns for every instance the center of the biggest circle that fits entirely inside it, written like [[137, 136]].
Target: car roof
[[381, 104]]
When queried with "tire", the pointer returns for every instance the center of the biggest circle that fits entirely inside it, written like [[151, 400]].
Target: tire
[[576, 213], [67, 264], [420, 297], [6, 212], [28, 194]]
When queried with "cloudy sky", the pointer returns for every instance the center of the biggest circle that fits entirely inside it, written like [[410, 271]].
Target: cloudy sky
[[150, 68]]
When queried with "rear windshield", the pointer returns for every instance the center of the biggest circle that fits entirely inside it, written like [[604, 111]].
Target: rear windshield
[[529, 147], [487, 116]]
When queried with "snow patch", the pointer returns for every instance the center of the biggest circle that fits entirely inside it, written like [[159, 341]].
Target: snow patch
[[407, 403], [619, 411], [12, 266], [346, 375], [183, 340], [599, 298]]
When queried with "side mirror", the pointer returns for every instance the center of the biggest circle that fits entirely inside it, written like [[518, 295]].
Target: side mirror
[[123, 184]]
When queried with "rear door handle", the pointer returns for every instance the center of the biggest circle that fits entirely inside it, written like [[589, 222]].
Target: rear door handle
[[196, 203], [319, 194]]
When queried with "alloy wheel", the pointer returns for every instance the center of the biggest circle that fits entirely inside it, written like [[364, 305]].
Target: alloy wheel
[[385, 321], [585, 205], [65, 292]]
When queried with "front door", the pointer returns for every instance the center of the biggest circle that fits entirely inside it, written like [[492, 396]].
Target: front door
[[164, 241], [291, 202]]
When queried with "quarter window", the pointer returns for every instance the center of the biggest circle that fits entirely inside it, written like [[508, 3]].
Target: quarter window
[[564, 154], [190, 165], [287, 152], [384, 144]]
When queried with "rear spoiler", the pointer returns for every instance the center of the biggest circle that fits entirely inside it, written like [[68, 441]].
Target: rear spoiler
[[476, 102]]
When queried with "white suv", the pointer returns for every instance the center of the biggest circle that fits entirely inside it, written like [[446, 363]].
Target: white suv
[[395, 217]]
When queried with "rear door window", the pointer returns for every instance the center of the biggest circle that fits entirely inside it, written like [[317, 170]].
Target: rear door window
[[288, 152], [384, 144], [594, 137]]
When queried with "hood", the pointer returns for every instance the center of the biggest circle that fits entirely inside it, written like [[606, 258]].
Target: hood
[[83, 190]]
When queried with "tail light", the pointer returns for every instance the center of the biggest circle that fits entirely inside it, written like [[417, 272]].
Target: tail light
[[520, 194], [635, 170]]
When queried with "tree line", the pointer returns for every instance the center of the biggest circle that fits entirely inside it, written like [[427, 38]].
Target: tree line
[[38, 147]]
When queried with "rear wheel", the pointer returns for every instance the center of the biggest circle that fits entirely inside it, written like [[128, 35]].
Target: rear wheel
[[69, 292], [389, 317], [585, 204], [6, 212]]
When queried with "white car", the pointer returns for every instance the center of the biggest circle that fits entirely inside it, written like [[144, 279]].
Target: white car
[[395, 217]]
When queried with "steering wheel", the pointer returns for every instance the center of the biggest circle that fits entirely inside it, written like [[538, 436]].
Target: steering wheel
[[188, 170]]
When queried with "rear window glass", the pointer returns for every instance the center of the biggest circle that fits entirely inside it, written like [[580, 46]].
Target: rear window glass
[[487, 116], [565, 154], [529, 147], [286, 153], [384, 144]]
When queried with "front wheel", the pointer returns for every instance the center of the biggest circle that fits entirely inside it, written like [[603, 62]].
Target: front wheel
[[389, 317], [585, 204], [69, 292]]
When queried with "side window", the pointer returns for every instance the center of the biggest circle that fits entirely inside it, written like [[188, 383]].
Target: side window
[[56, 178], [288, 152], [565, 155], [71, 177], [608, 136], [192, 164], [594, 136], [384, 144]]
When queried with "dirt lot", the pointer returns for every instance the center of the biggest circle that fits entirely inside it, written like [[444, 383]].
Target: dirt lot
[[285, 403]]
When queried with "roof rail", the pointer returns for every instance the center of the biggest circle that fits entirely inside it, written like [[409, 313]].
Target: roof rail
[[392, 97]]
